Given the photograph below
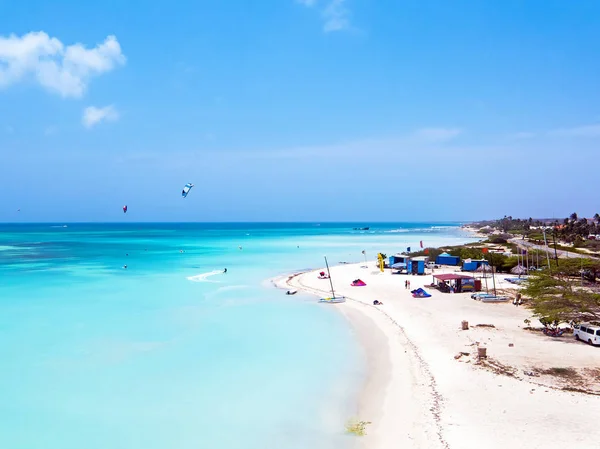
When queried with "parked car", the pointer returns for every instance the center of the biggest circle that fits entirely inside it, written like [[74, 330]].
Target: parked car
[[589, 333]]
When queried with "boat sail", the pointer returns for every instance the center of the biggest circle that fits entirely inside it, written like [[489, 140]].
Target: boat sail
[[333, 299]]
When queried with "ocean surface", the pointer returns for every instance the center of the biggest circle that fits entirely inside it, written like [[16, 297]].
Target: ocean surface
[[170, 352]]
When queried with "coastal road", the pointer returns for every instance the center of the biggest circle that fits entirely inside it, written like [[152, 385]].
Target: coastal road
[[524, 244]]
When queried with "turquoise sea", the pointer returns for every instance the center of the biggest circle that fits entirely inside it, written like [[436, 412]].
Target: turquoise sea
[[170, 353]]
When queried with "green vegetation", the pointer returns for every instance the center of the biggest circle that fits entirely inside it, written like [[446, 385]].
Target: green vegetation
[[592, 245], [432, 253], [560, 295], [356, 427], [498, 239], [571, 229]]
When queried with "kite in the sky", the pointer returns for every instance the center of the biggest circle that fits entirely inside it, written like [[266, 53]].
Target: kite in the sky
[[187, 189], [125, 209]]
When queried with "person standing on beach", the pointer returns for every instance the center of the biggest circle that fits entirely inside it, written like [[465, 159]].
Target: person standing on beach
[[405, 285], [408, 284]]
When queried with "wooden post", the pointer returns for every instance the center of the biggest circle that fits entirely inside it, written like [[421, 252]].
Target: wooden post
[[481, 352], [465, 325]]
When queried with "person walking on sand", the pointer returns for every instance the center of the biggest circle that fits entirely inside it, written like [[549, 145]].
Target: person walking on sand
[[405, 285]]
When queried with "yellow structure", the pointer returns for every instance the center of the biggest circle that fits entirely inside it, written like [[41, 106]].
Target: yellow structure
[[381, 261]]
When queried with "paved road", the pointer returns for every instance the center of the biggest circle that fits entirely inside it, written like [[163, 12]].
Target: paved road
[[561, 254]]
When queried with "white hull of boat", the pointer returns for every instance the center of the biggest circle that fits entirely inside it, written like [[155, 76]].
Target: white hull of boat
[[498, 299], [335, 300]]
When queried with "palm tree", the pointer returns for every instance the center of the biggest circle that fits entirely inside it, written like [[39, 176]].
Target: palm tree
[[574, 216], [597, 217]]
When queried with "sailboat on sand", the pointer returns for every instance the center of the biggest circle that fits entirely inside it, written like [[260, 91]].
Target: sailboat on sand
[[333, 299]]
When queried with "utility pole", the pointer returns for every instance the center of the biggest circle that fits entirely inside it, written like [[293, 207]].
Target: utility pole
[[493, 275], [547, 250], [555, 252]]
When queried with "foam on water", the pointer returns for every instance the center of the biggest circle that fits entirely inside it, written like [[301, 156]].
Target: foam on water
[[203, 277]]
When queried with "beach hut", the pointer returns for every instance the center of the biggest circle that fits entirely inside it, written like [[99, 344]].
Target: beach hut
[[399, 260], [473, 264], [457, 282], [416, 265], [447, 259]]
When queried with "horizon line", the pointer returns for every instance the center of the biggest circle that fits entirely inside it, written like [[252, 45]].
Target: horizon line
[[234, 222]]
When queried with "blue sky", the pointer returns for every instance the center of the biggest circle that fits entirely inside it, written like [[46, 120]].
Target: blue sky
[[284, 110]]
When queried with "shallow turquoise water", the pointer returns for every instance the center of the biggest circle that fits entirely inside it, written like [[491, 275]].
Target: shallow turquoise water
[[170, 353]]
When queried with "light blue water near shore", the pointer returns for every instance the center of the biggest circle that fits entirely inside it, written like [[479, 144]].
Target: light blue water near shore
[[171, 352]]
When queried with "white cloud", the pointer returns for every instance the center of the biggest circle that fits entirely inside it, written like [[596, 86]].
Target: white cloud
[[579, 131], [336, 15], [437, 134], [59, 69], [93, 115]]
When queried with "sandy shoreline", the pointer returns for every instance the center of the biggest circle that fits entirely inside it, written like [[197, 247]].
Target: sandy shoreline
[[419, 395], [391, 382]]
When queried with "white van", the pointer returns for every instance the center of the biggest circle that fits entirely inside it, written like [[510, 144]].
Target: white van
[[587, 332]]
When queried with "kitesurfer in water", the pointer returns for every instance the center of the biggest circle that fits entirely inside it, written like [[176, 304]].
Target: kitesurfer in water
[[225, 270]]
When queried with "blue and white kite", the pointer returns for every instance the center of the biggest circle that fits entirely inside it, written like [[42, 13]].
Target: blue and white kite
[[186, 189]]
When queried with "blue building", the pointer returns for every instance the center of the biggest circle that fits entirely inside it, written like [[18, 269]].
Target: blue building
[[447, 259], [412, 265], [416, 265], [398, 258], [473, 264], [399, 261]]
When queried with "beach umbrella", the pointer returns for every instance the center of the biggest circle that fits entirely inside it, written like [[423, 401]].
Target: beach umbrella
[[519, 269], [484, 269]]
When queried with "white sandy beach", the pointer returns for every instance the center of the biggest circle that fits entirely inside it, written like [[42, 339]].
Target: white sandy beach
[[420, 395]]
